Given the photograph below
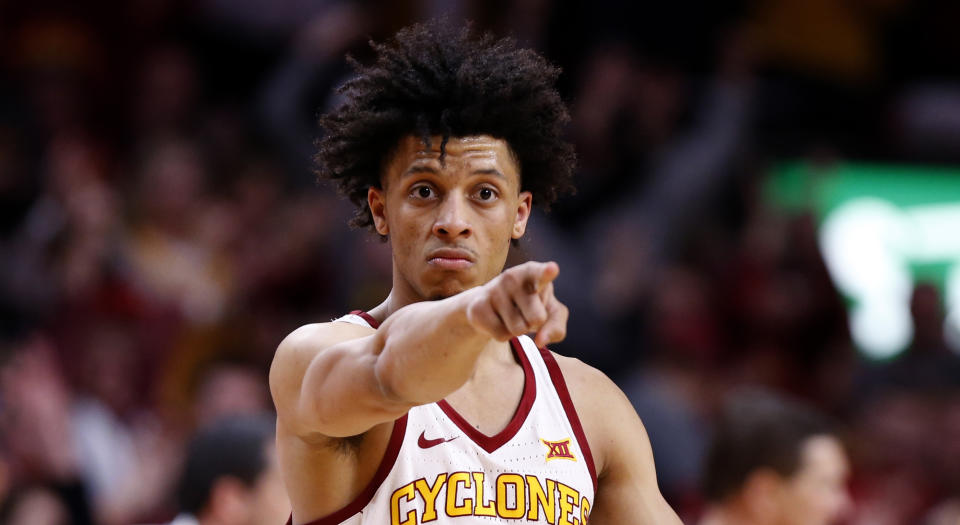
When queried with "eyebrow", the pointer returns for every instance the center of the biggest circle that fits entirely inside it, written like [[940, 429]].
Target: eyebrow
[[413, 170], [489, 171], [430, 169]]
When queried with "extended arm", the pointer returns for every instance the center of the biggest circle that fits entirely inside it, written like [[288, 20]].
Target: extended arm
[[340, 380]]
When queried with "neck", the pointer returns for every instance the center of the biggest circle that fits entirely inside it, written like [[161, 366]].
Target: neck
[[398, 298], [402, 293], [386, 308]]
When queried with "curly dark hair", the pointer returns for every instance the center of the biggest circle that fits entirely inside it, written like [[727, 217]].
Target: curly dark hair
[[437, 78]]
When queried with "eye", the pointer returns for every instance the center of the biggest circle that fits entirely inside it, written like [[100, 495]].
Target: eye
[[486, 194], [422, 191]]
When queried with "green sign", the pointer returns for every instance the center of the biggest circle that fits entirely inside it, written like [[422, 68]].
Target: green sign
[[882, 229]]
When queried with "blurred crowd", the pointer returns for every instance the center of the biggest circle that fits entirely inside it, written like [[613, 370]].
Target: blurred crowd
[[161, 230]]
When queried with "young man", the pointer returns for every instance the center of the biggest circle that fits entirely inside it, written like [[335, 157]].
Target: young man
[[773, 462], [434, 406], [231, 475]]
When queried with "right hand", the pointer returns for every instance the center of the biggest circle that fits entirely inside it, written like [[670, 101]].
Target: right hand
[[520, 301]]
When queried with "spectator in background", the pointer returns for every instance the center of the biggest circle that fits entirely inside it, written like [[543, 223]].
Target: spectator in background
[[174, 255], [40, 477], [773, 462], [229, 390], [231, 476]]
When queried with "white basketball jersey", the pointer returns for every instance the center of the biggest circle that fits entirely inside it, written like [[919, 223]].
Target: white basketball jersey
[[439, 469]]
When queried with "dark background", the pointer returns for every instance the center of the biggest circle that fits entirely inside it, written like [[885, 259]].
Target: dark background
[[161, 230]]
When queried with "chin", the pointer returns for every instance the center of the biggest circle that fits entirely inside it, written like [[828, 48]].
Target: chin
[[444, 293], [439, 287], [445, 290]]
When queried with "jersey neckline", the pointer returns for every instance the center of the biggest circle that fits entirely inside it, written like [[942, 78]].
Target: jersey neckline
[[367, 317], [488, 443], [492, 443]]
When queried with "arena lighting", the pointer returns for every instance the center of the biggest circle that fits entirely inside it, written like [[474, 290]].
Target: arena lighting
[[881, 230]]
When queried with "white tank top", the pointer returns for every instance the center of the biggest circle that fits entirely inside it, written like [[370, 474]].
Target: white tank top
[[439, 469]]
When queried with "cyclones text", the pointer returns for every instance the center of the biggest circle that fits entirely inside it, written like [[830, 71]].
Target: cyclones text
[[514, 496]]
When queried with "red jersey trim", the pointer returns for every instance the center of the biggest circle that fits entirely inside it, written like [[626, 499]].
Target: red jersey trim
[[558, 383], [368, 318], [492, 443], [362, 499]]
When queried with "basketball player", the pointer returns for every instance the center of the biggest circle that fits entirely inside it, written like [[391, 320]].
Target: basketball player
[[434, 407], [774, 462]]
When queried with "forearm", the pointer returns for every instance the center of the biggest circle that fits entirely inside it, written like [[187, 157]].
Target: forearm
[[354, 377], [340, 379], [428, 349]]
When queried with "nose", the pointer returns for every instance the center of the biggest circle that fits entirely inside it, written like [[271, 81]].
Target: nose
[[452, 221]]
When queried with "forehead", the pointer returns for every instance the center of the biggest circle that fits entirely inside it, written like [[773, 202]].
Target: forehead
[[824, 454], [475, 152]]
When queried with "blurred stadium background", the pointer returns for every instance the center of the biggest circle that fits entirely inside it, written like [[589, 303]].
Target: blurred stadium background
[[766, 198]]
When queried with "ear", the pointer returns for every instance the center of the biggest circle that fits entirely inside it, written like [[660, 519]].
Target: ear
[[523, 214], [378, 206]]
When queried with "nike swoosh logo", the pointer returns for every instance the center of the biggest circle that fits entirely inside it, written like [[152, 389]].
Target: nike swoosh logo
[[423, 442]]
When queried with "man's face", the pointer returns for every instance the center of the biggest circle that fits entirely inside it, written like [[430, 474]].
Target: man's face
[[267, 499], [450, 224], [817, 493]]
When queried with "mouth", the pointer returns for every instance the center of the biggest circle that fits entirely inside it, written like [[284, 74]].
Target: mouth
[[450, 259]]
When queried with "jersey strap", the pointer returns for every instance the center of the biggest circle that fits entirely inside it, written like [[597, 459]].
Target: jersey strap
[[561, 387], [367, 317]]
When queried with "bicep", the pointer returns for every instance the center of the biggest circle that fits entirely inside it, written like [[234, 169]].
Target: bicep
[[627, 487], [326, 384]]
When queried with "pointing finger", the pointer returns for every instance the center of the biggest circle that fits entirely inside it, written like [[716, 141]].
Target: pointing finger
[[541, 274]]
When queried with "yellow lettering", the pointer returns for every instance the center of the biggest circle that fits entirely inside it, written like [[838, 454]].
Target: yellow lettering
[[429, 495], [540, 499], [404, 492], [453, 488], [568, 500], [521, 496], [584, 509], [482, 508]]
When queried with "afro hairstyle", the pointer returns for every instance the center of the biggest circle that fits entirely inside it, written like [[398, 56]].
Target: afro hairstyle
[[441, 79]]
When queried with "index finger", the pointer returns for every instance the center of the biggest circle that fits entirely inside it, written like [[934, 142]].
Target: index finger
[[542, 274]]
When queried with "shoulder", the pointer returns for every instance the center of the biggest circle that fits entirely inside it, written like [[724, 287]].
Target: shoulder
[[322, 334], [299, 348], [587, 385], [605, 412], [308, 340], [576, 372]]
